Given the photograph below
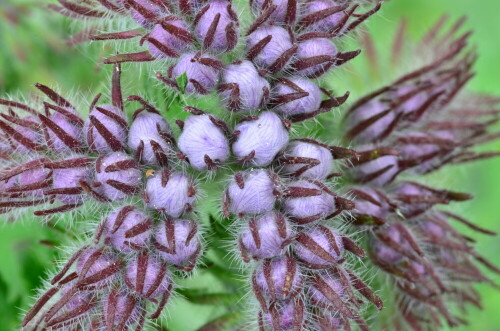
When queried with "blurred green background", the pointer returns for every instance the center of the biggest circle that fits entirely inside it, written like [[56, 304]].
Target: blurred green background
[[32, 49]]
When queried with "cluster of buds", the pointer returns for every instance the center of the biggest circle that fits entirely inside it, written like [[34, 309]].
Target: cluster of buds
[[108, 284], [428, 123], [289, 236]]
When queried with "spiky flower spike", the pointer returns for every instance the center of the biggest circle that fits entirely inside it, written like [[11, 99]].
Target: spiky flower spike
[[290, 223], [429, 123]]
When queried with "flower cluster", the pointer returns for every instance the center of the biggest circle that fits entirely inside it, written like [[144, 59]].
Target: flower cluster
[[293, 221], [428, 123]]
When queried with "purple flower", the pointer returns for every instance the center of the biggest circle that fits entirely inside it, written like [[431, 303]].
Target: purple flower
[[243, 88], [30, 182], [146, 138], [320, 247], [371, 205], [377, 167], [171, 193], [308, 202], [128, 229], [202, 72], [122, 310], [322, 15], [169, 39], [285, 11], [67, 175], [63, 130], [24, 137], [118, 176], [144, 12], [315, 57], [251, 192], [286, 316], [278, 278], [148, 277], [307, 160], [96, 267], [270, 47], [259, 139], [106, 129], [326, 288], [296, 96], [177, 243], [216, 26], [204, 141], [369, 121], [265, 236]]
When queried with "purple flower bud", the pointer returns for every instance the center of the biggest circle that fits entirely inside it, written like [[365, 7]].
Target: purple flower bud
[[285, 9], [323, 286], [119, 176], [243, 88], [319, 248], [414, 97], [269, 45], [260, 139], [72, 309], [377, 171], [202, 72], [148, 276], [204, 142], [278, 278], [67, 180], [216, 26], [128, 229], [359, 121], [315, 57], [421, 151], [146, 138], [322, 15], [171, 43], [307, 160], [286, 316], [265, 236], [177, 243], [327, 322], [31, 182], [62, 133], [121, 310], [251, 192], [370, 202], [308, 202], [106, 129], [170, 192], [296, 96], [29, 128], [96, 267], [144, 12]]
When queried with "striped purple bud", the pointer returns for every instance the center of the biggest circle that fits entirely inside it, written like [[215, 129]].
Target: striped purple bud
[[270, 47], [278, 278], [147, 138], [265, 236], [369, 121], [285, 316], [285, 12], [308, 202], [96, 268], [326, 291], [144, 12], [323, 15], [296, 96], [106, 129], [243, 88], [251, 192], [202, 72], [148, 276], [30, 182], [24, 137], [68, 175], [178, 243], [216, 26], [169, 39], [127, 229], [122, 310], [117, 175], [203, 141], [63, 130], [171, 193], [315, 57], [320, 247], [259, 139], [307, 160], [372, 206], [377, 167]]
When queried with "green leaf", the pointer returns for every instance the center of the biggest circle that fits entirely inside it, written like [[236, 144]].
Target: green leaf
[[182, 81]]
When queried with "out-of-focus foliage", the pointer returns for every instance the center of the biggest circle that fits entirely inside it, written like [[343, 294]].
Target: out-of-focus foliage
[[33, 49]]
